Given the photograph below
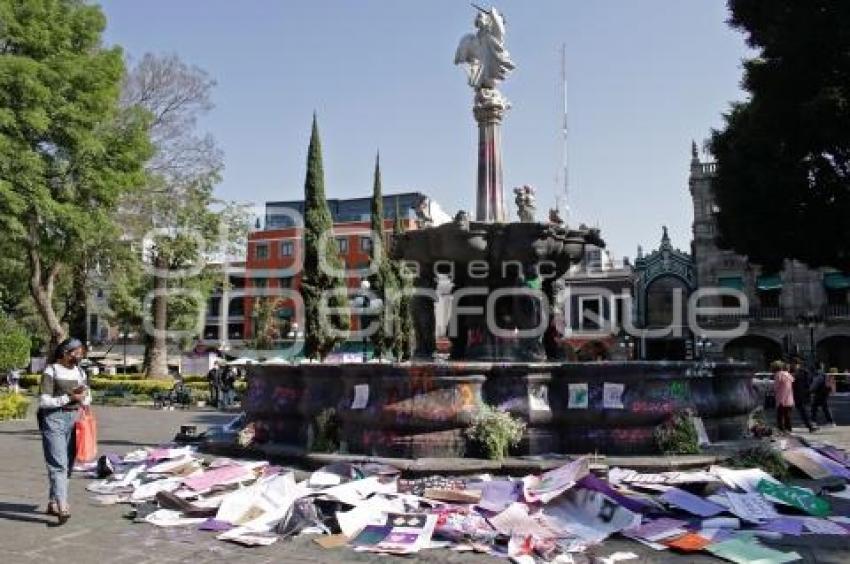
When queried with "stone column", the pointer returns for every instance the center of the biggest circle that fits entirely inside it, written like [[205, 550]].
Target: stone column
[[424, 318], [489, 108]]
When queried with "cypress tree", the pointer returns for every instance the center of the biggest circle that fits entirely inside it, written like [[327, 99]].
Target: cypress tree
[[403, 341], [383, 281], [319, 337]]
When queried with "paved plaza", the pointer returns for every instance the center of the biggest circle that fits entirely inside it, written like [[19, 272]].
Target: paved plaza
[[102, 534]]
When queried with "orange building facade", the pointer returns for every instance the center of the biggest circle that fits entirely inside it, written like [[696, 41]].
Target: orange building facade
[[275, 256]]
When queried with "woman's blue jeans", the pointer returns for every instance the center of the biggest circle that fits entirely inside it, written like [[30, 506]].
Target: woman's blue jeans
[[59, 443]]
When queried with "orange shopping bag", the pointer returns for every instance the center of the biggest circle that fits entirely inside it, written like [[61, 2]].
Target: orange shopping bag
[[86, 435]]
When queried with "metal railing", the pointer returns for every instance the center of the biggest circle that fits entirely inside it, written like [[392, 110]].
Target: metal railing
[[755, 314], [836, 311]]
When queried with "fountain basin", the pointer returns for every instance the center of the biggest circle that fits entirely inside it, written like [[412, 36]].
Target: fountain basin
[[420, 410]]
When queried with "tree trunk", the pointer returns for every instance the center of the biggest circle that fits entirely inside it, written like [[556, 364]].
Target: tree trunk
[[77, 315], [158, 367], [41, 290]]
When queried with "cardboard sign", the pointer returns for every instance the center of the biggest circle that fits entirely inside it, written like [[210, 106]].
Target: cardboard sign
[[798, 497]]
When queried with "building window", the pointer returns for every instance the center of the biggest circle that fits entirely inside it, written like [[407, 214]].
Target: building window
[[590, 313], [594, 259], [287, 248], [366, 244], [836, 297], [622, 305], [285, 282], [342, 244], [260, 283], [236, 308], [261, 251], [769, 298]]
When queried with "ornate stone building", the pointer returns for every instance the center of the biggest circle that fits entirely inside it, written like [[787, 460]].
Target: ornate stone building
[[664, 279], [792, 311]]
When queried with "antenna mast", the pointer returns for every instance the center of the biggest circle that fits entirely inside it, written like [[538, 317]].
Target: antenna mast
[[563, 198]]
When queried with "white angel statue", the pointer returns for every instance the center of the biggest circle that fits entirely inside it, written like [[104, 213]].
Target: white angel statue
[[484, 51]]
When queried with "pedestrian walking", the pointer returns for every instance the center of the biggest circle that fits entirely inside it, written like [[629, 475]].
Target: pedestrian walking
[[802, 392], [783, 383], [62, 393], [823, 385]]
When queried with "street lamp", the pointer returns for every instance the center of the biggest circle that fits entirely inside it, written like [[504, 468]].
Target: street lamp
[[811, 321], [626, 343], [702, 345]]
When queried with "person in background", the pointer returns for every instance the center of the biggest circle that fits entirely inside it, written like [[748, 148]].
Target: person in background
[[783, 386], [214, 379], [62, 392], [802, 392], [13, 379], [228, 386], [823, 385]]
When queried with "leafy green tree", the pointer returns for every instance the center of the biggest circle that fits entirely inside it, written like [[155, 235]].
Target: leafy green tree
[[320, 284], [68, 152], [14, 345], [172, 220], [267, 329], [783, 157]]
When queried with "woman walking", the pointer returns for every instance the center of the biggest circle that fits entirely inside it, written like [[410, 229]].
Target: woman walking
[[783, 389], [63, 392]]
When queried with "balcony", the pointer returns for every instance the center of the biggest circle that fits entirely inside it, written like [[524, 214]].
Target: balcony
[[756, 314], [836, 311]]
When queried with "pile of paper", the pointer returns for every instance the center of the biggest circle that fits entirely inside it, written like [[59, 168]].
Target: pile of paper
[[537, 518]]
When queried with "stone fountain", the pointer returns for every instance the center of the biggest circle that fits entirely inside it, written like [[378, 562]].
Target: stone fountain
[[504, 277]]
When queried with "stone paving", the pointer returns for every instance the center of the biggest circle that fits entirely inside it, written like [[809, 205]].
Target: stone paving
[[101, 534]]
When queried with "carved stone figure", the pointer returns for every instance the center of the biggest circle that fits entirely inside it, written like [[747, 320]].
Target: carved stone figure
[[525, 203], [461, 219]]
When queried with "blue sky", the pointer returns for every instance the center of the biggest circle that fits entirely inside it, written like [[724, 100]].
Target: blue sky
[[644, 79]]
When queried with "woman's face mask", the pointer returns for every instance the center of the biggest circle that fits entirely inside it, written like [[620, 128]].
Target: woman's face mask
[[74, 357]]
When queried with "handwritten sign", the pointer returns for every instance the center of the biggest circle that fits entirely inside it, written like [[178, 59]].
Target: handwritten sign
[[538, 397], [612, 395], [578, 396], [361, 396]]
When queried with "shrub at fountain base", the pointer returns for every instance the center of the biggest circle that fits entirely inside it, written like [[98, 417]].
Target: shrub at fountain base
[[494, 431], [677, 435]]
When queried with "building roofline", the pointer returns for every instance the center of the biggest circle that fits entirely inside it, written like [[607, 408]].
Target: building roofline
[[361, 198]]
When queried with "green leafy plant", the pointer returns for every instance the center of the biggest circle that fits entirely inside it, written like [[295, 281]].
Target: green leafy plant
[[677, 435], [15, 346], [494, 431], [761, 456], [758, 426], [326, 431], [13, 406]]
